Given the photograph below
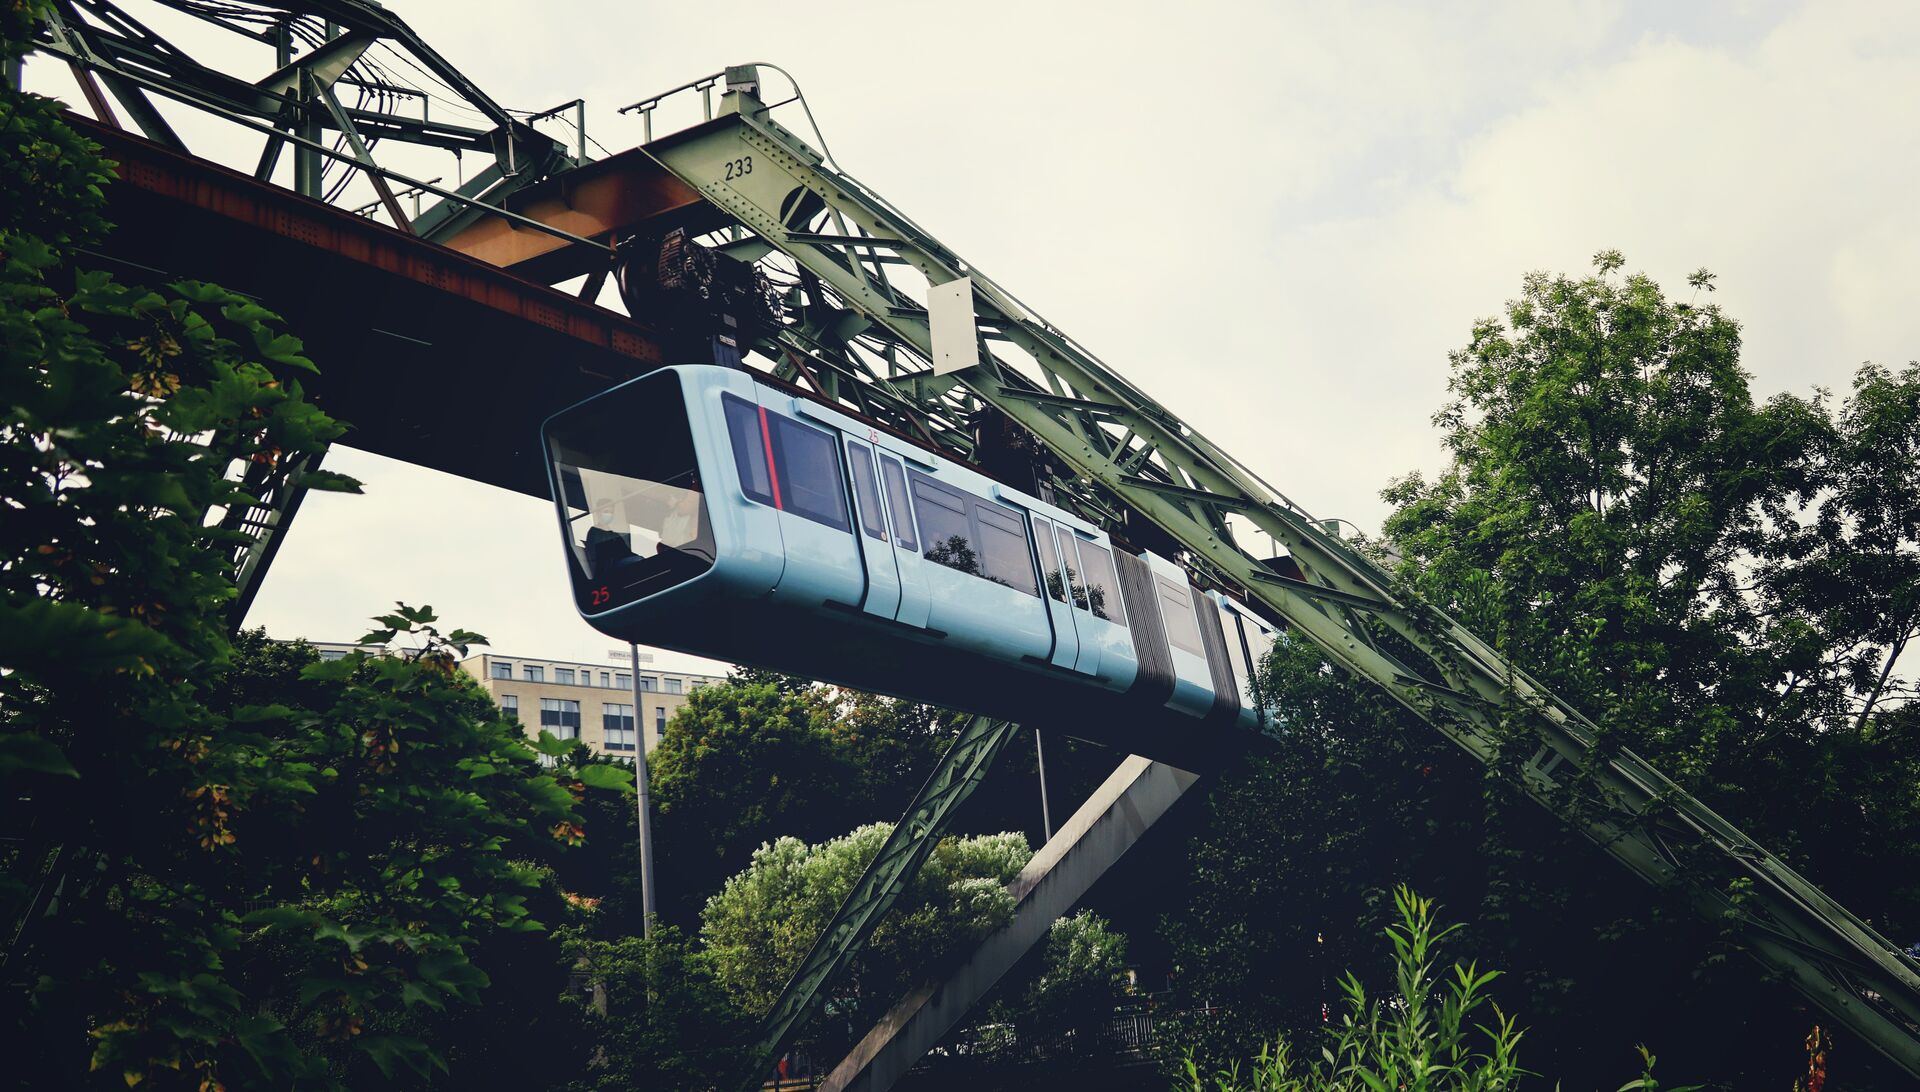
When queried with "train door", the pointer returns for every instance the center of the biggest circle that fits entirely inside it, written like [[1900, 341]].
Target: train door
[[1066, 637], [914, 599], [1106, 644], [876, 544]]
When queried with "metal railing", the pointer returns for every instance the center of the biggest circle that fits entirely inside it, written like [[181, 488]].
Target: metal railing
[[749, 81]]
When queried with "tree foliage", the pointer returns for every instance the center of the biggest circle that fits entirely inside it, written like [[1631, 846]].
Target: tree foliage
[[763, 922], [763, 757], [655, 1013], [1437, 1031], [1725, 584], [1085, 968], [252, 869]]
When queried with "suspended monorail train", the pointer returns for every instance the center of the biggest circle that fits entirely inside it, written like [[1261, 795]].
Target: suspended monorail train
[[709, 511]]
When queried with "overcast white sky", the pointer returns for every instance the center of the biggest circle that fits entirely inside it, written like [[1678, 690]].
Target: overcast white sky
[[1277, 218]]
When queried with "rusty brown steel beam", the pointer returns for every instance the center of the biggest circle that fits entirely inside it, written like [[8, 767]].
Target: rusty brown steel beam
[[235, 196], [436, 357], [602, 201]]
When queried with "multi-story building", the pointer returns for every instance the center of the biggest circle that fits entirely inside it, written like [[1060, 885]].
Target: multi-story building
[[593, 703]]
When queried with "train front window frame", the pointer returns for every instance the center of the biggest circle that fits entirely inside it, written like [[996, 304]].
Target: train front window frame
[[628, 492]]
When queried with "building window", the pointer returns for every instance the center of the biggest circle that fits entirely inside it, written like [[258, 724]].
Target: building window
[[532, 673], [674, 686], [561, 717], [696, 684], [606, 679], [502, 670], [617, 722], [510, 705], [563, 676], [330, 654], [659, 722], [648, 684], [623, 681]]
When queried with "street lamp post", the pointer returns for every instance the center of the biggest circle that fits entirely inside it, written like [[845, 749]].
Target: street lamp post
[[640, 784], [1040, 758]]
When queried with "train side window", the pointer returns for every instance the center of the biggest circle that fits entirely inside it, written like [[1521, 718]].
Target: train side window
[[945, 530], [1237, 655], [896, 482], [1076, 571], [1103, 588], [807, 473], [1259, 645], [866, 491], [1049, 560], [1003, 547], [1183, 630], [749, 448]]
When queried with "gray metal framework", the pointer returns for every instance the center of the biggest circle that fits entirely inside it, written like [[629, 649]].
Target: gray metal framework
[[859, 269]]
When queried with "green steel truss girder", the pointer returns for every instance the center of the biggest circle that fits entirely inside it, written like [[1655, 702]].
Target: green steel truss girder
[[277, 489], [1128, 452], [960, 771]]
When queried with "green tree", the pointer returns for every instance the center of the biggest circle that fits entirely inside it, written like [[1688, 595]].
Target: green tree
[[740, 764], [1283, 881], [1727, 585], [274, 883], [655, 1013], [445, 837], [763, 922], [1085, 969], [1082, 976], [1724, 584], [750, 761]]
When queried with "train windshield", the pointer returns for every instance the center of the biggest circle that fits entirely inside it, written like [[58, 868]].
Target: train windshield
[[629, 493]]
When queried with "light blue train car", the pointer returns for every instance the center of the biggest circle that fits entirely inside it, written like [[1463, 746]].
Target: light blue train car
[[709, 510]]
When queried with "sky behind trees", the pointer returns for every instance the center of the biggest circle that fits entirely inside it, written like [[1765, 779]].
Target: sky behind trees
[[1276, 218]]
